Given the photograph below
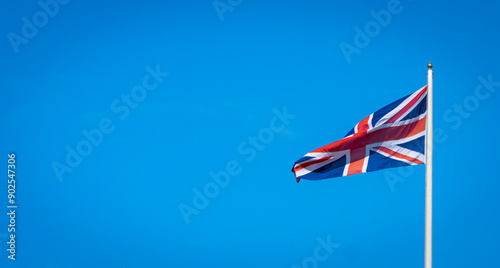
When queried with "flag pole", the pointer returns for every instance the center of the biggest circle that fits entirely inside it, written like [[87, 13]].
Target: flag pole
[[428, 172]]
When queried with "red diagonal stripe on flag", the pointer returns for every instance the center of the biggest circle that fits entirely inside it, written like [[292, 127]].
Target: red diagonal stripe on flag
[[408, 106], [398, 155]]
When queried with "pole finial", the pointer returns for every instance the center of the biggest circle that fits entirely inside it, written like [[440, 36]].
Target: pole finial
[[430, 65]]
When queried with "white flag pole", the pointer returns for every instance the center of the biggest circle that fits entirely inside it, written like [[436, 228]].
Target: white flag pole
[[428, 172]]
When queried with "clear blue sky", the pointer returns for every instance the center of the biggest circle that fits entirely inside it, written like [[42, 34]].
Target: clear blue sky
[[251, 87]]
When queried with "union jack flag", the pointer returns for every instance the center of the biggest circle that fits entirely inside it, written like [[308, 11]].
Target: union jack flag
[[393, 136]]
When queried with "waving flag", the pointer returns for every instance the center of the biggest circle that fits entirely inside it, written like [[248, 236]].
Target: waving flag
[[393, 136]]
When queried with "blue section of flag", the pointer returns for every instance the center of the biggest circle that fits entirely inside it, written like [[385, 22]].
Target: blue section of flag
[[382, 112], [334, 169], [378, 161], [420, 109], [417, 145]]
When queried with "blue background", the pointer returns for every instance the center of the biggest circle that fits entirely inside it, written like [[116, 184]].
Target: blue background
[[119, 207]]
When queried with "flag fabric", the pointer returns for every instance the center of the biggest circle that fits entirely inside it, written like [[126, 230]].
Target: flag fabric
[[393, 136]]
